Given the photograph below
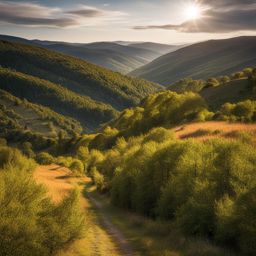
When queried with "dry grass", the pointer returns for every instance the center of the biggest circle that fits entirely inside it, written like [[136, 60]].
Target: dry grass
[[58, 180], [209, 130]]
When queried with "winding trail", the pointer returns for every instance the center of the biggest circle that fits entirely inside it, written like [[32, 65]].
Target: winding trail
[[103, 237]]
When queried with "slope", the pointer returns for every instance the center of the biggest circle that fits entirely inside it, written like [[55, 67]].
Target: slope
[[79, 76], [89, 112], [201, 60]]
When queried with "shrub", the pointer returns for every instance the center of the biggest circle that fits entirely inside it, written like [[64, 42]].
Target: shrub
[[45, 158], [98, 179], [27, 149], [3, 142], [77, 167]]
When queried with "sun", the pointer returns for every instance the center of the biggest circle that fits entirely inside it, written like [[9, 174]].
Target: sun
[[192, 12]]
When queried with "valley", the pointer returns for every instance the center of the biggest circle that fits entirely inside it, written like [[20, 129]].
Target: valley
[[126, 146]]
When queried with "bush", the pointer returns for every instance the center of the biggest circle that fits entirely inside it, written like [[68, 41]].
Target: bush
[[98, 179], [45, 158], [3, 142], [77, 167]]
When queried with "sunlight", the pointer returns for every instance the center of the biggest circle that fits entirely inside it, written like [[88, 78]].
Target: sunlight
[[192, 12]]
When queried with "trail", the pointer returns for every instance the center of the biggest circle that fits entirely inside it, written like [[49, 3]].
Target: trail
[[102, 236]]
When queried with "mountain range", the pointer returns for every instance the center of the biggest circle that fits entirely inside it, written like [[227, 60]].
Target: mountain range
[[112, 55]]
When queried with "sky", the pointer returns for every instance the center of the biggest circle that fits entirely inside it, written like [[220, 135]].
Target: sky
[[163, 21]]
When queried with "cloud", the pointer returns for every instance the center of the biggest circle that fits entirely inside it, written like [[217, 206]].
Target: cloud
[[31, 14], [87, 12], [219, 16]]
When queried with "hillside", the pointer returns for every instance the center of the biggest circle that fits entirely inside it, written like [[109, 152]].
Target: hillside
[[232, 92], [201, 61], [23, 121], [89, 112], [111, 55], [36, 118], [79, 76]]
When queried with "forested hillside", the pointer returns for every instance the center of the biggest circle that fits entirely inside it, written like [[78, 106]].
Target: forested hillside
[[22, 121], [201, 61], [79, 76], [89, 112]]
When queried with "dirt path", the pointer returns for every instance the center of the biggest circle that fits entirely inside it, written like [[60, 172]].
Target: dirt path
[[103, 237], [117, 235]]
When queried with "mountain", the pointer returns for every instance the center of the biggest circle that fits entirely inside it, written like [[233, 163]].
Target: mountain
[[202, 60], [89, 93], [111, 55]]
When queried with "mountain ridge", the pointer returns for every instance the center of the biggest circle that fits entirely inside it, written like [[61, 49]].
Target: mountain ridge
[[201, 60]]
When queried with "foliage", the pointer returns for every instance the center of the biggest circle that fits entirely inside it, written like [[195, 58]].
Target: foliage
[[30, 224], [44, 158], [244, 111], [77, 167], [161, 109], [201, 186]]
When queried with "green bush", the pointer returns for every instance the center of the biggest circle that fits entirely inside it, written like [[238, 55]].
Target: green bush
[[30, 223], [98, 179], [45, 158], [77, 167]]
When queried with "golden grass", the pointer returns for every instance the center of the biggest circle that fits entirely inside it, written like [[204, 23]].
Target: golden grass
[[212, 129]]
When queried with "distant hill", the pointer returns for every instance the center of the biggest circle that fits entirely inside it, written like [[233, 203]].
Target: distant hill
[[111, 55], [202, 60], [101, 92], [161, 48]]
